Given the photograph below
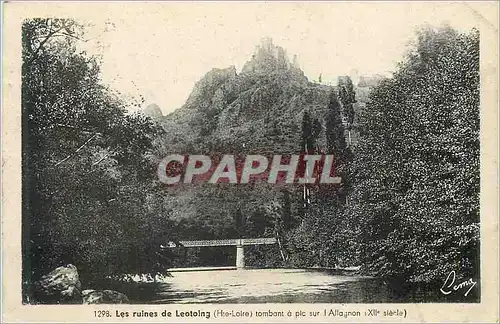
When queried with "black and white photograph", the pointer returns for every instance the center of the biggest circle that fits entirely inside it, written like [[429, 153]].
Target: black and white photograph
[[253, 153]]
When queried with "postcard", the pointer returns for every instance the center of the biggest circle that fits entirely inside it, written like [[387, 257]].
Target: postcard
[[250, 162]]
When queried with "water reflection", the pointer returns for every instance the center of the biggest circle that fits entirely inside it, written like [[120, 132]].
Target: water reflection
[[282, 286]]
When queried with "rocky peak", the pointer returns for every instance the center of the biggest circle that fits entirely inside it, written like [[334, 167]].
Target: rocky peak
[[268, 58], [267, 72]]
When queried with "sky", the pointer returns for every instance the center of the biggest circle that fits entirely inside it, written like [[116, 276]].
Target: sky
[[161, 51]]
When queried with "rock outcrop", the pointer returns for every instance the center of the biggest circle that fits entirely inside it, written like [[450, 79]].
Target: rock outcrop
[[269, 58], [91, 296], [261, 107], [62, 285], [208, 86]]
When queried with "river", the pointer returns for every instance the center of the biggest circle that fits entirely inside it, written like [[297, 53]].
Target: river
[[279, 286]]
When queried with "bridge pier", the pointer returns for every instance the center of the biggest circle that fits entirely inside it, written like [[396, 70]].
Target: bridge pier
[[240, 243], [240, 256]]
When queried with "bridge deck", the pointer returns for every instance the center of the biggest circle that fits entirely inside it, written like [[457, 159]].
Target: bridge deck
[[200, 269], [245, 241]]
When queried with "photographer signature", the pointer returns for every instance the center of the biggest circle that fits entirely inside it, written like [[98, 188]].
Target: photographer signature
[[449, 284]]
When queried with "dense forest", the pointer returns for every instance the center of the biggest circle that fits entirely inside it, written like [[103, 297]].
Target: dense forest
[[89, 196], [408, 154]]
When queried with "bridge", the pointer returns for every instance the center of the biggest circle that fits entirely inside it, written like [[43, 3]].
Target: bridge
[[239, 243]]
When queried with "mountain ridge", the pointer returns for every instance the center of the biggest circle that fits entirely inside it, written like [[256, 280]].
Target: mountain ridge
[[260, 107]]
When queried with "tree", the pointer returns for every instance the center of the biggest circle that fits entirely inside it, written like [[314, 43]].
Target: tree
[[323, 236], [240, 222], [416, 169], [307, 139], [347, 97], [335, 131], [336, 145], [89, 195]]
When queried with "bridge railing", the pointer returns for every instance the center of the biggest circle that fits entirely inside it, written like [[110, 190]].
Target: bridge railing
[[225, 242]]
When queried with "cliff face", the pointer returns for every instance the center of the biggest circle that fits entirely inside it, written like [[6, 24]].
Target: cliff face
[[259, 109]]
